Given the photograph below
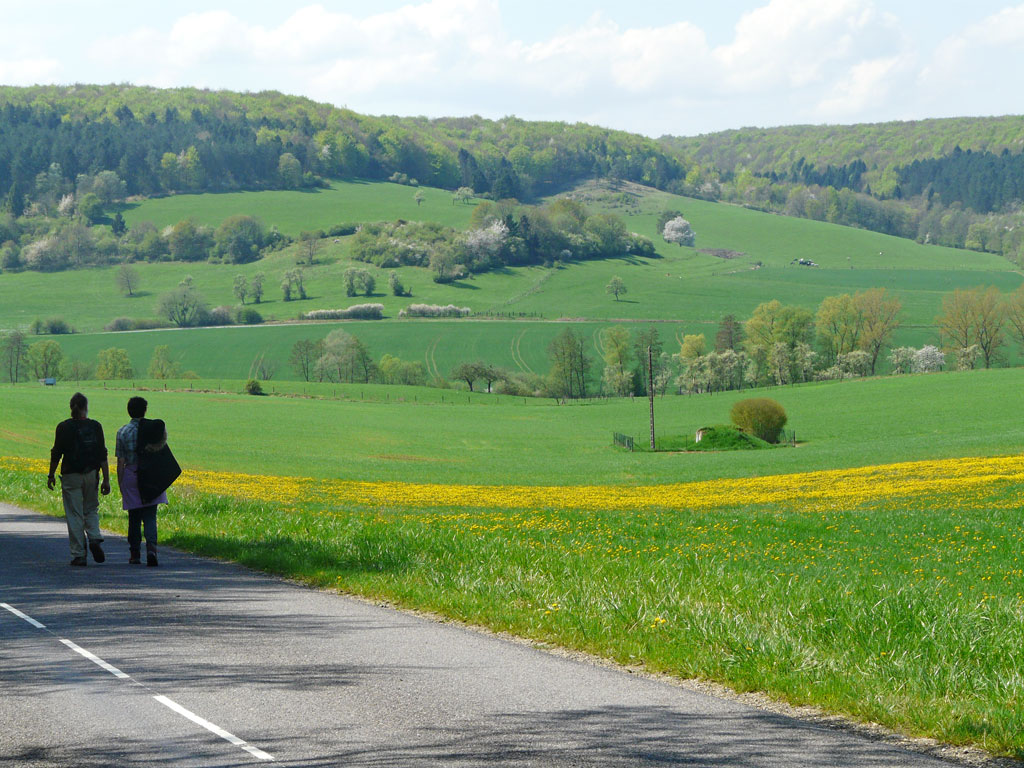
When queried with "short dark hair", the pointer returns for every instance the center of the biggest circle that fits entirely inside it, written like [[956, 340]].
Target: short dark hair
[[137, 407], [79, 404]]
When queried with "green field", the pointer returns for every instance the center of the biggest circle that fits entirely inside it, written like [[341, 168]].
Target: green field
[[683, 285], [294, 212], [498, 440]]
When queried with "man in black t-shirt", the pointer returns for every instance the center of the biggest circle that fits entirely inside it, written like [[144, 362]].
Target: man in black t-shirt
[[79, 442]]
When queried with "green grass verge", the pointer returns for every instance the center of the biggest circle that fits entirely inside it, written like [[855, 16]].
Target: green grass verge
[[909, 615]]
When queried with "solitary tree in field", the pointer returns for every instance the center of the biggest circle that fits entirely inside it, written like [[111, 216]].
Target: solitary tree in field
[[395, 284], [128, 279], [256, 288], [419, 197], [462, 195], [678, 230], [294, 281], [616, 287], [309, 246], [183, 306], [241, 288], [359, 280]]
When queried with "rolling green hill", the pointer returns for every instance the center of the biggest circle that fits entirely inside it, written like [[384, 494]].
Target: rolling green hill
[[687, 288], [684, 284]]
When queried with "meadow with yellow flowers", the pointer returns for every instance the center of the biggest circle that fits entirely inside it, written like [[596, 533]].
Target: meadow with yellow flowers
[[893, 594]]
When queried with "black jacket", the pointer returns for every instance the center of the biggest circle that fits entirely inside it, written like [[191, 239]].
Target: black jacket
[[157, 466]]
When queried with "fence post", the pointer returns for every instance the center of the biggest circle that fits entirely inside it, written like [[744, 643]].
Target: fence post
[[650, 389]]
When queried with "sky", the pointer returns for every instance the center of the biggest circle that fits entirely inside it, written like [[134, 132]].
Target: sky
[[654, 67]]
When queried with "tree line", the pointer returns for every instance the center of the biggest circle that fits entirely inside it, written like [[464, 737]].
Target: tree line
[[846, 337]]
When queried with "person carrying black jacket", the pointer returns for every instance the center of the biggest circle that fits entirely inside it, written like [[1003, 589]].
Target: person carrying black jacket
[[79, 448], [135, 441]]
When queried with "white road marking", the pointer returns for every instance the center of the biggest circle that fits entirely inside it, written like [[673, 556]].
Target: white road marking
[[170, 704], [213, 728], [96, 660], [24, 616]]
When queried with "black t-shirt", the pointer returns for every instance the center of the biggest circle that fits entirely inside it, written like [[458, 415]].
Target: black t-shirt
[[80, 442]]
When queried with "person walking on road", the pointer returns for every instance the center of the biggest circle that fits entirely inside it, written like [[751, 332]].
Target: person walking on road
[[79, 448], [133, 438]]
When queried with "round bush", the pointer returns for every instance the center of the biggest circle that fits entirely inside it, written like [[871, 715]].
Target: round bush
[[120, 324], [759, 416], [248, 316], [253, 387]]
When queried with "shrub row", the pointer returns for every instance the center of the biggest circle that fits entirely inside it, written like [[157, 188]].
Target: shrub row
[[434, 310], [135, 324], [355, 312]]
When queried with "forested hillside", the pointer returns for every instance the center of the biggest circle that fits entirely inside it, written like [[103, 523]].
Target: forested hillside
[[187, 139], [882, 147], [957, 181], [70, 151]]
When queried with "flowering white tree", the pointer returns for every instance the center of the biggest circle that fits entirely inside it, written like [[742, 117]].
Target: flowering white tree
[[485, 244], [678, 230], [902, 359], [967, 357], [853, 364], [929, 359]]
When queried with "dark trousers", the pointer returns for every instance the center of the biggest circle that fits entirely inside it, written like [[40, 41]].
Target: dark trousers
[[143, 518]]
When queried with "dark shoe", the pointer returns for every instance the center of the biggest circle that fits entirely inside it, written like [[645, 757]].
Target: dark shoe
[[151, 561], [97, 551], [134, 560], [79, 562]]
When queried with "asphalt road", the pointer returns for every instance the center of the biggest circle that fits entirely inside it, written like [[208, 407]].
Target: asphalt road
[[249, 667]]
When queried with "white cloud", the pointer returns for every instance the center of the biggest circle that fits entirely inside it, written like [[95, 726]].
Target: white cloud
[[869, 85], [976, 69], [28, 71], [788, 60], [802, 42]]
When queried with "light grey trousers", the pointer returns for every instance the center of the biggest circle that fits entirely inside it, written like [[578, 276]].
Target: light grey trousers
[[81, 509]]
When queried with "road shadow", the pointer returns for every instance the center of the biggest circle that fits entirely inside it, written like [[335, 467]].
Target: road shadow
[[620, 736]]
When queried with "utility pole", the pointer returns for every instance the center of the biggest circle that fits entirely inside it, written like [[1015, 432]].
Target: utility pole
[[650, 389]]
